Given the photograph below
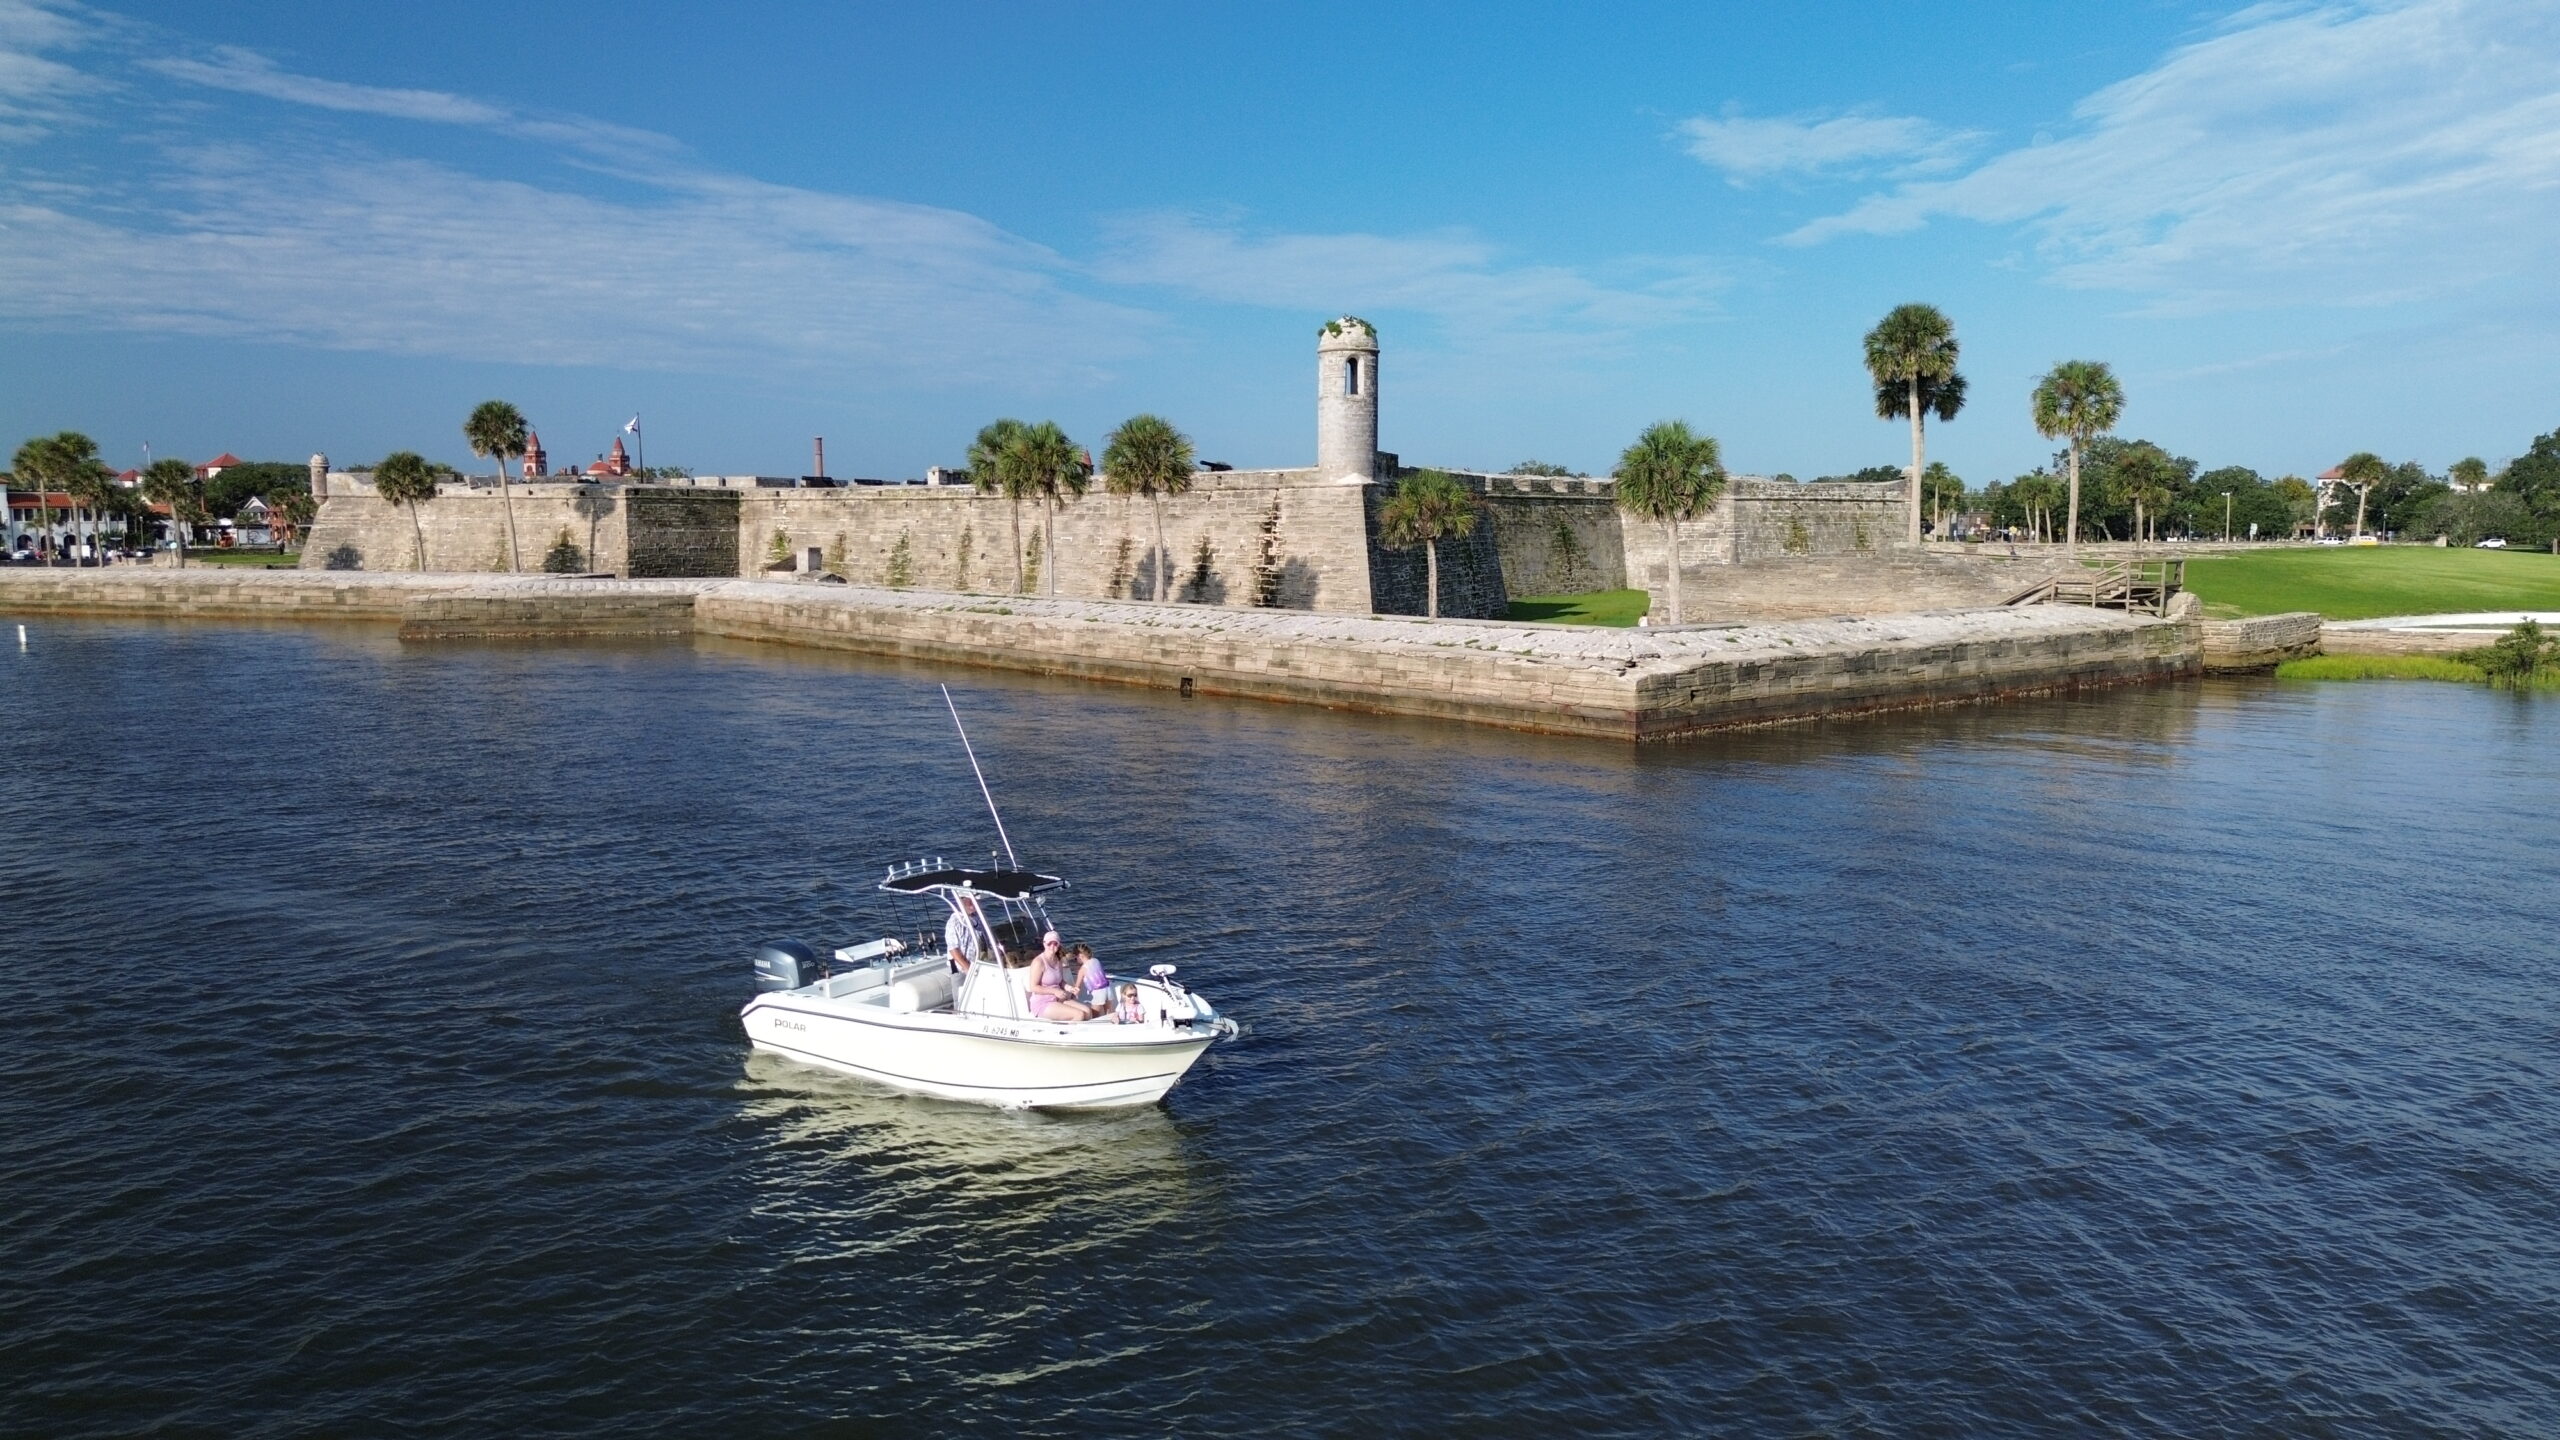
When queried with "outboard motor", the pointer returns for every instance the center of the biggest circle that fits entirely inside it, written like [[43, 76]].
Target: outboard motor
[[786, 965]]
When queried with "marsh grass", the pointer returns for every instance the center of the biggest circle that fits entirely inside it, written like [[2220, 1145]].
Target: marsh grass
[[2401, 667]]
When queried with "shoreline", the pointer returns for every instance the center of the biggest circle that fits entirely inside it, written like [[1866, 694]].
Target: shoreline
[[1623, 684]]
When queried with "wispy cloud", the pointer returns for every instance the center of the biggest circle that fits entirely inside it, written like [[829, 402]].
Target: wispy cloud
[[335, 243], [1457, 279], [340, 235], [245, 72], [1748, 148], [38, 93], [2339, 154], [352, 250]]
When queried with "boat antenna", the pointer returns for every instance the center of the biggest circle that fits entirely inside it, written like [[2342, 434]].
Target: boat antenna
[[972, 753]]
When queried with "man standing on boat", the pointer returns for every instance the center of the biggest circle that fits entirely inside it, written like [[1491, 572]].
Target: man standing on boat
[[961, 934]]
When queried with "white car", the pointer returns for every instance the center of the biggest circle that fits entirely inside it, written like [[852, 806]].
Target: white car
[[2492, 543], [2330, 540]]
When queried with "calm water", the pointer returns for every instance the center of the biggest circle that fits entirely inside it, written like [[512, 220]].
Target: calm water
[[2180, 1062]]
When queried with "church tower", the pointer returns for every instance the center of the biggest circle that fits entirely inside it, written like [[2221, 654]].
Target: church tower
[[1347, 401]]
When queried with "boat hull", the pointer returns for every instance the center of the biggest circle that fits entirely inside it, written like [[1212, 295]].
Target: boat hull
[[987, 1060]]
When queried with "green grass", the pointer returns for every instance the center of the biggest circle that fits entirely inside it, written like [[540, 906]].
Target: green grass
[[2399, 667], [229, 557], [1604, 607], [2381, 667], [2346, 583]]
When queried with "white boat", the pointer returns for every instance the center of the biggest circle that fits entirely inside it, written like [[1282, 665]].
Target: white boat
[[952, 1019], [906, 1017]]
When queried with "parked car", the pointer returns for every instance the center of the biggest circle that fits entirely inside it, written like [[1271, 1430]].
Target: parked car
[[2329, 540], [2492, 543]]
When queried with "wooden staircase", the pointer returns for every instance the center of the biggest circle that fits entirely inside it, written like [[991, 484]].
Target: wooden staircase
[[2135, 586]]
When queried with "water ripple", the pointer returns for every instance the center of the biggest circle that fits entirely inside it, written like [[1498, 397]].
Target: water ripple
[[2174, 1062]]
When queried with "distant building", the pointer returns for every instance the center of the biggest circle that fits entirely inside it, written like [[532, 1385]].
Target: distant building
[[536, 464], [217, 465]]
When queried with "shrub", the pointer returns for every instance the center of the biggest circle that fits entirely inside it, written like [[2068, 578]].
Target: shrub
[[2518, 657], [902, 563], [564, 557]]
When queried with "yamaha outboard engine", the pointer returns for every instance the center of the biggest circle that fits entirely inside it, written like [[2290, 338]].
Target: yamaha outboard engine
[[786, 965]]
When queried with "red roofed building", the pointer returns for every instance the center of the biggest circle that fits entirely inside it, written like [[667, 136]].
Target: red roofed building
[[617, 463], [217, 465], [536, 463]]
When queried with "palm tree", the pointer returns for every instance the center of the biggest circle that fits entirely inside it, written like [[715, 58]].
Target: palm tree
[[1669, 475], [2363, 470], [1147, 456], [62, 462], [995, 469], [2081, 400], [1912, 355], [1427, 506], [172, 482], [497, 429], [2150, 480], [405, 478], [1051, 466], [91, 484], [33, 465], [295, 511]]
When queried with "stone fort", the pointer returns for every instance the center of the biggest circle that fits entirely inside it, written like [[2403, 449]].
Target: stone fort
[[1303, 538]]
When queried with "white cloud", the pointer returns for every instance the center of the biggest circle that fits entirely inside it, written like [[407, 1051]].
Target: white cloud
[[350, 250], [1747, 148], [38, 93], [306, 236], [1452, 277], [248, 73], [2339, 154]]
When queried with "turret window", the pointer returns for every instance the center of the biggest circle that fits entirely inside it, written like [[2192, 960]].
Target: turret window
[[1351, 376]]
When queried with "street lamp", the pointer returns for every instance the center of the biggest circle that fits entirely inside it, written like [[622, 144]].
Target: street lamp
[[2226, 517]]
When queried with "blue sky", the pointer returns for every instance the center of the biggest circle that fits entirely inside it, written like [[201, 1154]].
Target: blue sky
[[2296, 230]]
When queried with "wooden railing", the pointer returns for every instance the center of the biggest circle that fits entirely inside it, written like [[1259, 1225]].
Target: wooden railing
[[2131, 585]]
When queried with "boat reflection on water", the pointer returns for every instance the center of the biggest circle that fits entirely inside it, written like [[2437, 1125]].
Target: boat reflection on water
[[854, 1169]]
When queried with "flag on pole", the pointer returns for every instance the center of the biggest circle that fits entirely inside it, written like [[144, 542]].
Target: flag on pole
[[634, 427]]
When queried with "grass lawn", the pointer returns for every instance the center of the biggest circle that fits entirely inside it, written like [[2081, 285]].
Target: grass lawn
[[230, 557], [1604, 607], [2360, 584]]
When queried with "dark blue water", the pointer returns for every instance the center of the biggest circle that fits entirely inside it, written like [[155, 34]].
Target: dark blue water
[[2178, 1062]]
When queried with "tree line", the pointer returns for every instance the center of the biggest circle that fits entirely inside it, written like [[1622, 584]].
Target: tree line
[[67, 463]]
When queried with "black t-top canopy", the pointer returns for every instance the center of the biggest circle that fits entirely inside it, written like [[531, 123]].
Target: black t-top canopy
[[1000, 884]]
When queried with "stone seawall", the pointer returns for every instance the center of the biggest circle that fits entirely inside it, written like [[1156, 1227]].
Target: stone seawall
[[2340, 640], [554, 609], [2260, 642], [1620, 684]]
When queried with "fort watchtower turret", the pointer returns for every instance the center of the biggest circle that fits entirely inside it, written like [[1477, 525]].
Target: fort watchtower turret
[[1347, 401]]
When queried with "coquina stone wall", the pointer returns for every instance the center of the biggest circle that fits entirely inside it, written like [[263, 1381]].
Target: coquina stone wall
[[676, 532], [1556, 536], [1767, 520], [1277, 539], [1274, 538], [465, 528], [2259, 642]]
